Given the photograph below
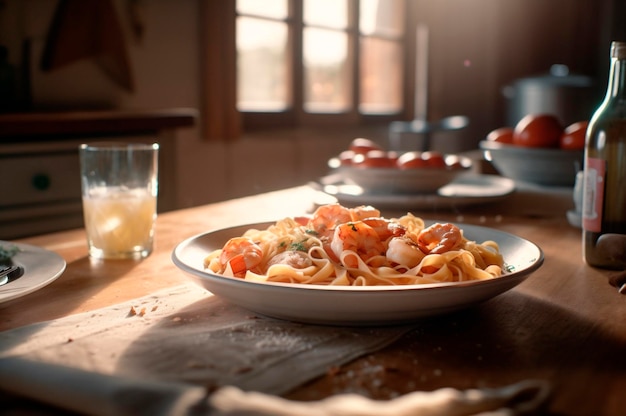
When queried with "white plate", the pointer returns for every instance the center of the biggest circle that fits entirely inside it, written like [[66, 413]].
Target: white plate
[[466, 189], [335, 305], [41, 267]]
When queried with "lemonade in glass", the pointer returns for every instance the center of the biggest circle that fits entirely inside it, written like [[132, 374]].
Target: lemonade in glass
[[119, 184], [120, 222]]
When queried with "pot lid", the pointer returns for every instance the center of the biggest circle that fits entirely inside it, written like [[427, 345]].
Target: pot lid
[[559, 76]]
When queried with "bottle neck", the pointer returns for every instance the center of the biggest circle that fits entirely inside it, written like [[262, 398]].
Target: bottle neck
[[617, 80]]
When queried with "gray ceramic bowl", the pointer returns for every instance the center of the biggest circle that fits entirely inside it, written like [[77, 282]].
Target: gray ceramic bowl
[[550, 167]]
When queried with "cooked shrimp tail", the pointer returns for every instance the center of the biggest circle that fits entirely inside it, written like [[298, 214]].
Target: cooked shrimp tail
[[385, 228], [359, 238], [327, 217], [240, 254], [362, 212], [404, 252], [439, 238]]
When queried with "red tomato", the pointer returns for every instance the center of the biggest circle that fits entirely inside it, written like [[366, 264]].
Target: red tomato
[[411, 160], [501, 135], [362, 146], [374, 159], [454, 162], [538, 130], [393, 155], [302, 220], [573, 137], [434, 159], [346, 157]]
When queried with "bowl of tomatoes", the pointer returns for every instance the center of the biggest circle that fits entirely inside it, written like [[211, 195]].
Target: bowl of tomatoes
[[538, 149], [374, 169]]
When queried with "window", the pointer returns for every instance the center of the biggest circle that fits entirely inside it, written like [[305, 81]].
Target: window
[[306, 61], [262, 55]]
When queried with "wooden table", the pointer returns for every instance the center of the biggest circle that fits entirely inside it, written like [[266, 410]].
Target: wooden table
[[565, 324]]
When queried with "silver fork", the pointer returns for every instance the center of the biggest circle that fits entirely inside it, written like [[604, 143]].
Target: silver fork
[[10, 273]]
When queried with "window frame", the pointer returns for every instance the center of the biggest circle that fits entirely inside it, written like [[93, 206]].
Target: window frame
[[218, 25]]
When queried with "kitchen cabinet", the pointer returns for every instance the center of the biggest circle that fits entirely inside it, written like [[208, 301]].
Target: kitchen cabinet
[[39, 166]]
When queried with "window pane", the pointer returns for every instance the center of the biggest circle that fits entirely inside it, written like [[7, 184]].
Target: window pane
[[381, 17], [261, 65], [327, 13], [276, 9], [326, 71], [381, 76]]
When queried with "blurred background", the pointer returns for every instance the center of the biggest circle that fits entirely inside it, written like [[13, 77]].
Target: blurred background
[[280, 86]]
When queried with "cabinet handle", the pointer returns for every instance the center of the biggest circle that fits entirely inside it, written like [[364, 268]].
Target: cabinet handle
[[41, 181]]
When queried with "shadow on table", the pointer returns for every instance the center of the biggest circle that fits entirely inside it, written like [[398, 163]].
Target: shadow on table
[[510, 338]]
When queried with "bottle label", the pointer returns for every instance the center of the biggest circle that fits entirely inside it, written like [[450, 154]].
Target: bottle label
[[593, 194]]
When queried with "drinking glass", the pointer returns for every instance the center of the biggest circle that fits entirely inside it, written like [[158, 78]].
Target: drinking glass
[[119, 187]]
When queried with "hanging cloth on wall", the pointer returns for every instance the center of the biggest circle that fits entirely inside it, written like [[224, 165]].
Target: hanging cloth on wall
[[88, 30]]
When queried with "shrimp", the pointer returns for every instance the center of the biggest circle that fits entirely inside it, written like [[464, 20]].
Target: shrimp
[[362, 212], [358, 237], [241, 254], [404, 251], [385, 228], [327, 217], [439, 238]]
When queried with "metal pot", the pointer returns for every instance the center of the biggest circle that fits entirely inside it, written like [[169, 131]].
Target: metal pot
[[570, 97]]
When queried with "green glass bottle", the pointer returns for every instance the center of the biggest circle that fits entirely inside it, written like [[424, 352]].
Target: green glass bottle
[[604, 187]]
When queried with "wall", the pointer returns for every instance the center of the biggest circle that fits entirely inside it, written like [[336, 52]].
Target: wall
[[477, 47], [165, 67]]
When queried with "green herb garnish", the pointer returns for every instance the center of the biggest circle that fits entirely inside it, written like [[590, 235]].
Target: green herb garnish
[[298, 246], [7, 252]]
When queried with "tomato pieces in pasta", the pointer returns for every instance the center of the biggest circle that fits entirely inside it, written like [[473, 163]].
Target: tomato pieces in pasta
[[356, 247]]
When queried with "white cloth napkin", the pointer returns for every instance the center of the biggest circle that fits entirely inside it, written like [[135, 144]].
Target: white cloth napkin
[[168, 344], [186, 334], [526, 397], [99, 394]]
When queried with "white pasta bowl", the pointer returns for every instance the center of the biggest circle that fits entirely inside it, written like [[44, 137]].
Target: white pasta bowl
[[350, 305]]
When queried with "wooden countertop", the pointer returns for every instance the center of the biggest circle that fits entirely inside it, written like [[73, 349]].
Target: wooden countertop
[[565, 324], [51, 124]]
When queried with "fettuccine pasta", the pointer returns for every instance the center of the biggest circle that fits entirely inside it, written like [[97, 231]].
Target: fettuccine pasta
[[356, 247]]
